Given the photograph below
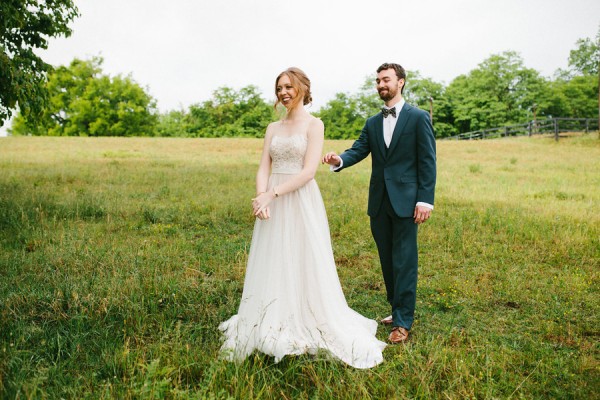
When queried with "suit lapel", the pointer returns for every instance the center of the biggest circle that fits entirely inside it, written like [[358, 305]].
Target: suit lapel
[[379, 135], [402, 120]]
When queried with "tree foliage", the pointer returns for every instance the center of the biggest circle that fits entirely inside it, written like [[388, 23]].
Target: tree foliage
[[431, 96], [230, 112], [84, 102], [584, 60], [341, 117], [173, 123], [574, 98], [500, 91], [344, 116], [27, 25]]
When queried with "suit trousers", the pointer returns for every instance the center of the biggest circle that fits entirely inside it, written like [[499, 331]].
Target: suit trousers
[[396, 240]]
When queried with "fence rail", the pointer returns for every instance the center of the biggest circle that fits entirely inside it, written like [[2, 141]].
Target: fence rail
[[551, 125]]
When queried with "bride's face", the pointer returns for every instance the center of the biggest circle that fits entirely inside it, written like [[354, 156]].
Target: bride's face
[[286, 93]]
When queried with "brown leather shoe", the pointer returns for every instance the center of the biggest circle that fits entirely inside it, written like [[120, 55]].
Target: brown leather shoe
[[387, 320], [398, 335]]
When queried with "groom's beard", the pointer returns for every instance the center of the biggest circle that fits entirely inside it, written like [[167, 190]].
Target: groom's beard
[[387, 94]]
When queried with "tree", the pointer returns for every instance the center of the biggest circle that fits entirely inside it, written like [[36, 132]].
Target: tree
[[581, 92], [425, 93], [84, 102], [27, 25], [500, 91], [571, 98], [173, 123], [368, 101], [341, 117], [230, 113], [582, 77], [584, 60]]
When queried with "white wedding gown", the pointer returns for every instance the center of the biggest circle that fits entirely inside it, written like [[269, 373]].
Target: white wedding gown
[[292, 301]]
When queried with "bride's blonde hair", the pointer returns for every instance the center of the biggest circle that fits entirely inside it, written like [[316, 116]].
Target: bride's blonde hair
[[300, 82]]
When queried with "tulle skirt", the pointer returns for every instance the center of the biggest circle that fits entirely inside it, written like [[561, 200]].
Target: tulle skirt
[[292, 301]]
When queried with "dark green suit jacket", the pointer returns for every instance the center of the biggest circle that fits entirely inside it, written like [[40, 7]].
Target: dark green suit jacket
[[407, 169]]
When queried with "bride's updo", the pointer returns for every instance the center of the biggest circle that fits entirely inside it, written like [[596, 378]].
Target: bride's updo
[[300, 82]]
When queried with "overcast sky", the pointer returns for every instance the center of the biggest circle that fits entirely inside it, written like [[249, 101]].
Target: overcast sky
[[183, 50]]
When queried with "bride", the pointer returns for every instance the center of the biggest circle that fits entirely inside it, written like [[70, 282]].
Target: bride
[[292, 301]]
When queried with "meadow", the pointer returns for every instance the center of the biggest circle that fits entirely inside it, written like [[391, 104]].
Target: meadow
[[119, 257]]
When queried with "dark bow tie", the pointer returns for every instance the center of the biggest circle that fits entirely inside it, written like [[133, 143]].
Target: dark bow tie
[[388, 111]]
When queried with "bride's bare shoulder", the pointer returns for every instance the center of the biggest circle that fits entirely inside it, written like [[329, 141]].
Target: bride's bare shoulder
[[315, 124], [273, 127]]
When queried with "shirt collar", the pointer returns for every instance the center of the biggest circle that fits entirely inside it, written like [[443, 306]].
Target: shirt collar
[[398, 106]]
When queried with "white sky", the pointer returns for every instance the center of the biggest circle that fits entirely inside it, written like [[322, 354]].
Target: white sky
[[183, 50]]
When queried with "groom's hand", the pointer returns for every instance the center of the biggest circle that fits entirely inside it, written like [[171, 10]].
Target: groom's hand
[[421, 214], [332, 158]]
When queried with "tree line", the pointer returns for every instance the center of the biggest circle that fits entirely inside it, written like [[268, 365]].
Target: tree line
[[81, 100]]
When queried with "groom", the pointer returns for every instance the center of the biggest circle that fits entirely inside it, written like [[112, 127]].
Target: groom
[[401, 142]]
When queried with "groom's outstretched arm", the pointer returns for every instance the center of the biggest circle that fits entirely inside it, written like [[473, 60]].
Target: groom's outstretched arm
[[359, 150]]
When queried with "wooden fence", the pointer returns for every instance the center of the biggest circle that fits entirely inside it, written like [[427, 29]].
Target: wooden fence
[[544, 126]]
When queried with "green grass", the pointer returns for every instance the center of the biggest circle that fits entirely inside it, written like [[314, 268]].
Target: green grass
[[119, 257]]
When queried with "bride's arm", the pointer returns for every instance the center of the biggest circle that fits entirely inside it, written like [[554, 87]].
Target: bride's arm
[[264, 168], [262, 175]]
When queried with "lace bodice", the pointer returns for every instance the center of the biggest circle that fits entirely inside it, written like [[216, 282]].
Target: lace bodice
[[287, 153]]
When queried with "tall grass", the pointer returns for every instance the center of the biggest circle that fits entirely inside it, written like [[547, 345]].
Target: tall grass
[[120, 257]]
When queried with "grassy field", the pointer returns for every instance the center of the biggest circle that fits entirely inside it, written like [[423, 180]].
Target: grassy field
[[120, 256]]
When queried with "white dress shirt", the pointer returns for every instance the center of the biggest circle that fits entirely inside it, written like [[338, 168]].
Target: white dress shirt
[[389, 122]]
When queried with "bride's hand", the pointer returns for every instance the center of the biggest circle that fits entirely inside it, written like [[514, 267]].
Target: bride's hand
[[260, 202], [265, 214]]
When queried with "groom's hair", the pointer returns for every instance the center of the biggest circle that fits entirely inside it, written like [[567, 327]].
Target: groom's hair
[[400, 72]]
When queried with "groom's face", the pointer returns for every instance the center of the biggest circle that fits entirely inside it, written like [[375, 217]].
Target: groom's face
[[388, 84]]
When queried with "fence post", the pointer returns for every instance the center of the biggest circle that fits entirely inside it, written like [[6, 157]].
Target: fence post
[[587, 125], [529, 128], [556, 129], [534, 107]]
